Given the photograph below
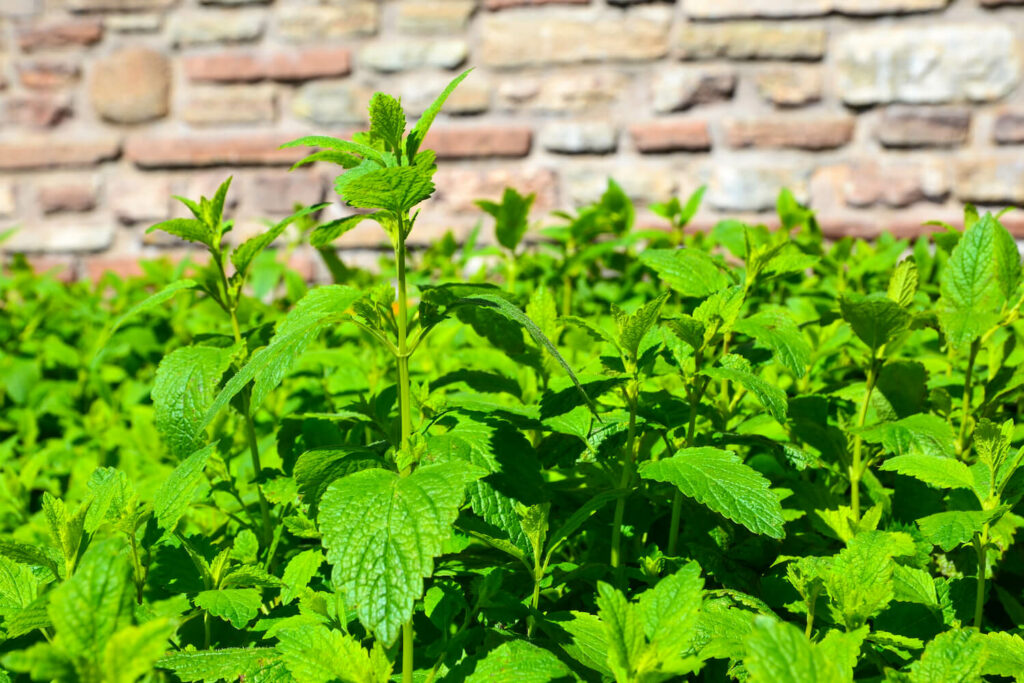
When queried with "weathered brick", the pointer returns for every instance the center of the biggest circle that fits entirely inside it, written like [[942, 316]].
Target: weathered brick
[[688, 135], [230, 104], [751, 40], [210, 27], [134, 22], [409, 54], [234, 3], [139, 198], [118, 5], [328, 103], [564, 92], [990, 180], [795, 133], [731, 9], [36, 110], [504, 4], [790, 86], [132, 85], [221, 150], [62, 235], [1009, 127], [459, 188], [67, 195], [868, 183], [124, 266], [48, 74], [535, 38], [580, 137], [586, 183], [924, 126], [681, 87], [278, 193], [1000, 3], [8, 200], [754, 186], [434, 16], [44, 153], [293, 65], [925, 65], [304, 25], [464, 142], [473, 96], [20, 8], [62, 268], [70, 33]]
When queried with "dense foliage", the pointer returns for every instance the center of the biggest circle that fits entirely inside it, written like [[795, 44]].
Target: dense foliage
[[614, 455]]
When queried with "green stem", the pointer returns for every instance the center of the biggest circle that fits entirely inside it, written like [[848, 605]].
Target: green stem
[[511, 271], [254, 453], [407, 645], [981, 549], [538, 575], [627, 475], [810, 613], [137, 572], [566, 295], [966, 417], [691, 432], [858, 442]]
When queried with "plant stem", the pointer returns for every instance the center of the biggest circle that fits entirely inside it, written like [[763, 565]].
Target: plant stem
[[691, 431], [981, 549], [810, 613], [254, 453], [855, 465], [137, 572], [966, 417], [566, 295], [627, 475]]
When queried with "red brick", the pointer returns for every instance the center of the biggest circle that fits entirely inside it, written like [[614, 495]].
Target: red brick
[[221, 150], [123, 266], [924, 126], [277, 192], [690, 135], [36, 110], [1009, 128], [292, 66], [60, 267], [48, 74], [477, 142], [78, 32], [793, 133], [459, 188], [77, 196], [502, 4], [43, 154]]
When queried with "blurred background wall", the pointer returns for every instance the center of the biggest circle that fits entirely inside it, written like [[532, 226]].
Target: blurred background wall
[[880, 113]]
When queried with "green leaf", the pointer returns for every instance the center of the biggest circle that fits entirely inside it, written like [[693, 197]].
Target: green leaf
[[18, 586], [720, 480], [111, 494], [669, 611], [876, 319], [860, 581], [624, 631], [419, 131], [244, 253], [387, 120], [185, 386], [518, 661], [180, 489], [842, 649], [956, 655], [146, 304], [65, 527], [737, 369], [941, 472], [577, 518], [396, 189], [633, 327], [778, 652], [981, 276], [335, 144], [511, 216], [903, 283], [316, 654], [24, 553], [324, 234], [209, 666], [690, 272], [955, 527], [382, 533], [236, 605], [914, 585], [1003, 653], [316, 469], [776, 330], [297, 575], [190, 230], [921, 434], [132, 651]]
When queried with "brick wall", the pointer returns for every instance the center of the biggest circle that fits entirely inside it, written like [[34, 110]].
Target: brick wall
[[881, 113]]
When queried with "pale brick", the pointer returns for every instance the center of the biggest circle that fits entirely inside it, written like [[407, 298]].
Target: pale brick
[[504, 4], [211, 27], [8, 201], [473, 95], [139, 198], [328, 103], [754, 186], [235, 3], [62, 236], [536, 38], [926, 64], [1000, 3], [751, 40], [459, 188], [681, 87], [20, 8], [286, 66], [564, 92], [278, 193], [134, 23], [924, 126], [132, 85], [118, 5], [230, 104], [409, 54], [71, 33], [865, 184], [790, 86], [221, 150], [48, 74], [643, 184], [795, 133], [44, 153], [469, 142], [1009, 127], [123, 266], [59, 195], [580, 137], [434, 16], [990, 180], [688, 135], [36, 110], [731, 9], [311, 24]]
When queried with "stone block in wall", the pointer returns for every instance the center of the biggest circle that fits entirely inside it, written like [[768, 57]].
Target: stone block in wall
[[434, 16], [277, 193], [584, 184], [51, 73], [754, 185], [458, 188], [35, 110], [132, 85], [139, 198], [134, 22], [927, 64], [818, 133], [903, 126], [60, 195], [990, 180], [572, 91], [1009, 126], [790, 86], [537, 37], [751, 40], [408, 54], [505, 4], [63, 235], [866, 183], [60, 34], [731, 9], [212, 27], [580, 137], [20, 8], [287, 66], [473, 96], [332, 103], [230, 105], [46, 153], [1000, 3], [8, 200], [671, 135], [118, 5], [680, 87], [207, 150], [303, 25], [479, 142]]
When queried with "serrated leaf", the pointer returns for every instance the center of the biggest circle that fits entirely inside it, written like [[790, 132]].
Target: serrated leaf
[[955, 527], [633, 327], [934, 471], [876, 319], [511, 216], [624, 630], [317, 654], [326, 233], [690, 272], [215, 665], [132, 651], [146, 304], [577, 518], [518, 661], [238, 606], [419, 131], [776, 330], [1003, 653], [297, 575], [244, 253], [953, 656], [911, 584], [180, 489], [720, 480], [860, 580], [316, 469], [778, 652], [24, 553], [188, 229], [920, 434], [337, 145], [669, 611], [737, 369], [18, 586], [903, 283], [382, 533], [387, 120], [65, 528], [111, 492], [395, 189], [185, 385]]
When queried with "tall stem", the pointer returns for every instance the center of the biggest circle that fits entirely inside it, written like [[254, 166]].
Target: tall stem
[[981, 549], [858, 442], [254, 453], [966, 416], [627, 475]]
